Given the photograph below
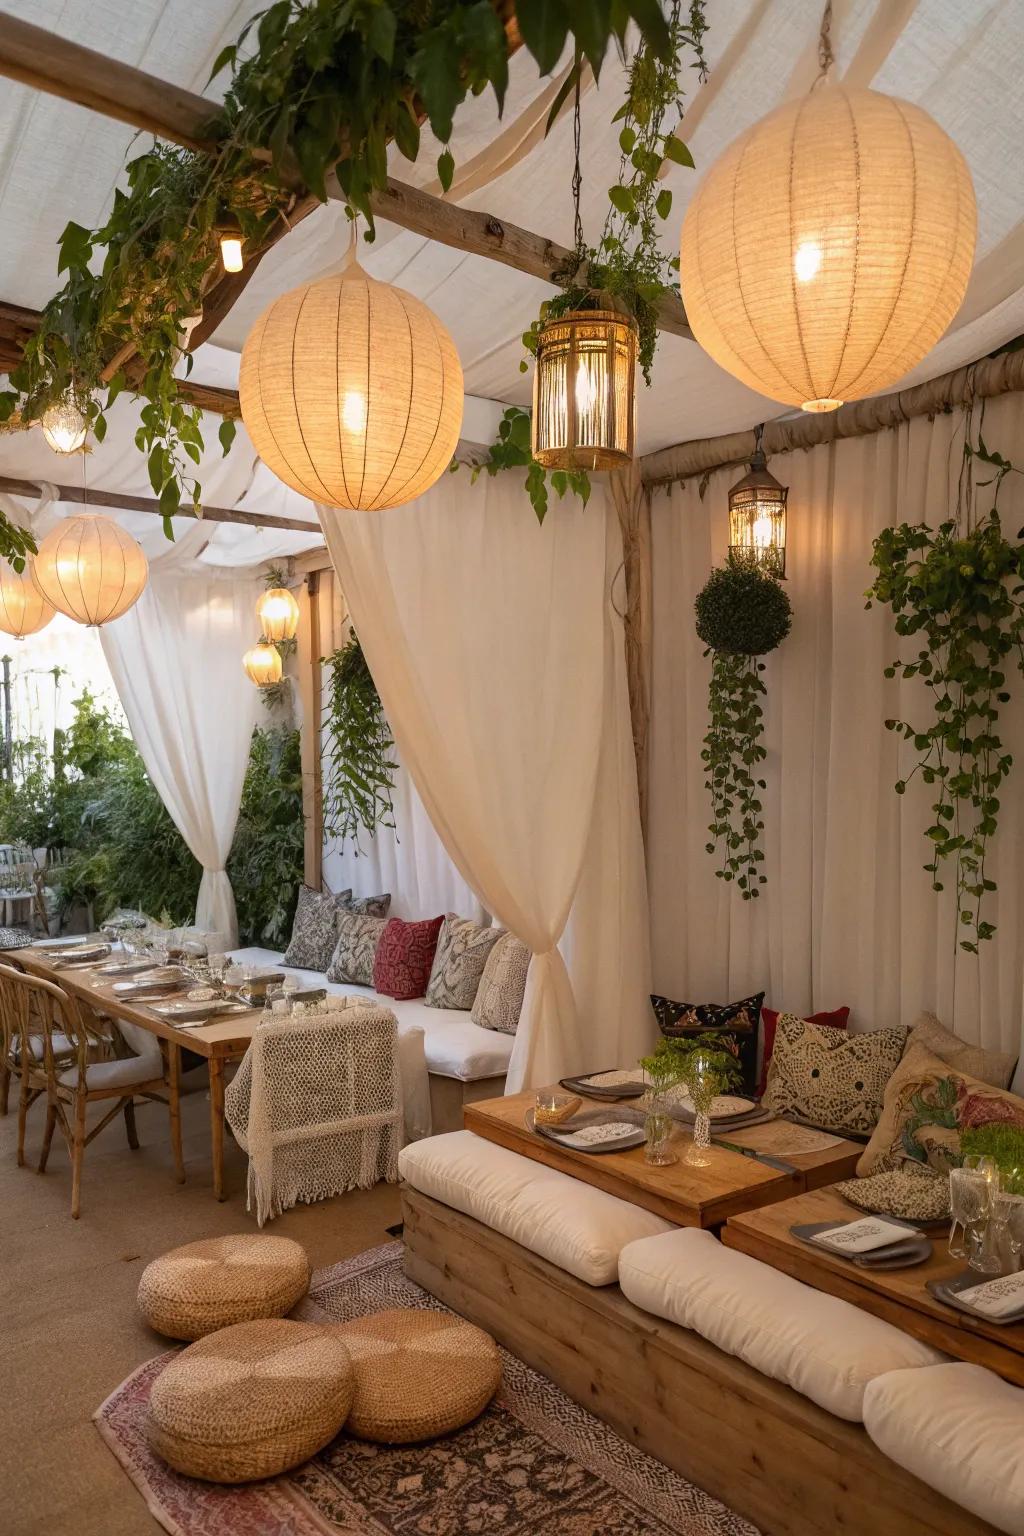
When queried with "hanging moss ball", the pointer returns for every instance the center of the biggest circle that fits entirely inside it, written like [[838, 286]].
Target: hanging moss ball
[[742, 610]]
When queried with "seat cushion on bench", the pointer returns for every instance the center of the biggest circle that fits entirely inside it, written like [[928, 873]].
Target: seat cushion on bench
[[960, 1429], [577, 1227], [820, 1346]]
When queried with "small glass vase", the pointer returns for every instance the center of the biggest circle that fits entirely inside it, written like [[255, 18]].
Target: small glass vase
[[696, 1152], [659, 1128]]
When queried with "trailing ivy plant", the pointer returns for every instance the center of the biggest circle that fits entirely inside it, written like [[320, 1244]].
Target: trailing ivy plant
[[742, 614], [359, 774], [512, 450]]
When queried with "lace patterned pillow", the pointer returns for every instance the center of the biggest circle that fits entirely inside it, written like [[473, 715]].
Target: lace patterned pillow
[[369, 906], [499, 998], [830, 1079], [354, 952], [314, 934], [459, 960], [912, 1196]]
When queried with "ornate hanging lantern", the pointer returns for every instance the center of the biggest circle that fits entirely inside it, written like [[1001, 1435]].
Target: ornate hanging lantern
[[584, 391], [262, 665], [757, 517], [91, 569], [23, 608], [278, 612], [64, 427]]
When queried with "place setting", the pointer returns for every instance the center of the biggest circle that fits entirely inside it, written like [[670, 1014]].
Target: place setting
[[987, 1230], [871, 1242]]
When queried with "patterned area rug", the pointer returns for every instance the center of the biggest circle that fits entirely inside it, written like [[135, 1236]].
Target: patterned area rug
[[532, 1462]]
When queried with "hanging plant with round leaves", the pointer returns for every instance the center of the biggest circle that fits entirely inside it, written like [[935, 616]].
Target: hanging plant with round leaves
[[742, 614]]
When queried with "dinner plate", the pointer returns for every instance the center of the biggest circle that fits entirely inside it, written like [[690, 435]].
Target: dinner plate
[[591, 1090], [947, 1291], [559, 1134], [900, 1254]]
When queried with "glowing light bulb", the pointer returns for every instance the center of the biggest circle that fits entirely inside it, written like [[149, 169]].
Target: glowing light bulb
[[231, 253], [64, 427], [807, 260], [584, 389], [762, 531], [353, 411]]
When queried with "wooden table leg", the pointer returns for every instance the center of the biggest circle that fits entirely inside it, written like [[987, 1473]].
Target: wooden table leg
[[217, 1125], [174, 1104]]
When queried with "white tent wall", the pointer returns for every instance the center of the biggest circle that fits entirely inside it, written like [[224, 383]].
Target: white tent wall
[[848, 915]]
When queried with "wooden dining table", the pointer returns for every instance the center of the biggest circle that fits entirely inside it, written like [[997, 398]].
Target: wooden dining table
[[220, 1042]]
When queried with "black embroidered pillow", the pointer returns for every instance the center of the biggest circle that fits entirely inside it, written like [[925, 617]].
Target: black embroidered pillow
[[314, 932], [737, 1023]]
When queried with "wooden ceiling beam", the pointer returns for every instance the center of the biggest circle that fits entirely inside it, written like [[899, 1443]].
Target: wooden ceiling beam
[[119, 502]]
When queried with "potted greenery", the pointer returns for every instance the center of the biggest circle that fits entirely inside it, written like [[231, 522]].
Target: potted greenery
[[705, 1068]]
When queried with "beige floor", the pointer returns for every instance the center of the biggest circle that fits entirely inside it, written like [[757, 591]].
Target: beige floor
[[70, 1331]]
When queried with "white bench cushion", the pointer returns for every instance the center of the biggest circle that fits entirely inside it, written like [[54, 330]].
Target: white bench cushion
[[960, 1429], [579, 1228], [818, 1345]]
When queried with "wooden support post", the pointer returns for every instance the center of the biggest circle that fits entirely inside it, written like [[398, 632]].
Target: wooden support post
[[310, 684], [632, 501]]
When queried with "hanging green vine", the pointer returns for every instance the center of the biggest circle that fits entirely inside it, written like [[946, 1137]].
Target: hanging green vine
[[742, 614], [359, 774], [511, 450], [960, 589]]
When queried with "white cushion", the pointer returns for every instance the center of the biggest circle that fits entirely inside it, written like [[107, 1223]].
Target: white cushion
[[579, 1228], [116, 1074], [62, 1046], [960, 1429], [815, 1343]]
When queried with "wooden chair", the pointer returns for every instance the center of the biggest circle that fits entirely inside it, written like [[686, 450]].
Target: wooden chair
[[20, 1020], [74, 1082]]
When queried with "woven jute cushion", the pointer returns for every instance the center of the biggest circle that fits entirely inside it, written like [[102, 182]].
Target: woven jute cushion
[[251, 1401], [194, 1290], [417, 1374]]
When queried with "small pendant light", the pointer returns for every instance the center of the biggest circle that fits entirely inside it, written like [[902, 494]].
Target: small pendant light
[[757, 517]]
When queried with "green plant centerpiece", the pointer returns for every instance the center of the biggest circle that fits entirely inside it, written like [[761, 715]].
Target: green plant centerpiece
[[742, 614], [705, 1068], [1004, 1144], [358, 748]]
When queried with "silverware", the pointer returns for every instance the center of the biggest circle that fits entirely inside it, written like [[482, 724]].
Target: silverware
[[778, 1163]]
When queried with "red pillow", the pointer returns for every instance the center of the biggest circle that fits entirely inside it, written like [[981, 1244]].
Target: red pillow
[[769, 1020], [405, 955]]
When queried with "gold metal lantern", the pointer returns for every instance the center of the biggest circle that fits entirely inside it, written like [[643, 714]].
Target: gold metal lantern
[[757, 518], [91, 569], [584, 391], [23, 608], [262, 665], [278, 612]]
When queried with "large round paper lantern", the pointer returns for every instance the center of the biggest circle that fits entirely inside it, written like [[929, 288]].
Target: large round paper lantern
[[351, 391], [23, 608], [91, 569], [828, 249], [262, 665], [278, 612]]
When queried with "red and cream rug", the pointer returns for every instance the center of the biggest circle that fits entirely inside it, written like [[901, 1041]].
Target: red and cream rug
[[533, 1462]]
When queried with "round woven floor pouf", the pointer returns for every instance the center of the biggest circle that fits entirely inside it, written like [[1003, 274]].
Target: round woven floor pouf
[[251, 1401], [417, 1374], [194, 1290]]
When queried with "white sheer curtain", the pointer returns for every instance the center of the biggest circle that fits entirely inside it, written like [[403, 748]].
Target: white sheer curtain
[[848, 914], [486, 636], [176, 661]]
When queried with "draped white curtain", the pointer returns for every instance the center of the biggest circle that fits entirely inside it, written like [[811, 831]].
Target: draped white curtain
[[848, 914], [486, 636], [176, 663]]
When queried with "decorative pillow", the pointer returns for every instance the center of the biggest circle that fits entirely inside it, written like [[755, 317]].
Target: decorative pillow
[[927, 1104], [837, 1019], [912, 1194], [499, 998], [405, 954], [314, 934], [830, 1079], [735, 1022], [354, 952], [462, 950], [993, 1067], [369, 906]]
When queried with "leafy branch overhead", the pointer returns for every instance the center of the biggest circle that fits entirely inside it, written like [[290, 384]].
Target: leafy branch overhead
[[512, 450]]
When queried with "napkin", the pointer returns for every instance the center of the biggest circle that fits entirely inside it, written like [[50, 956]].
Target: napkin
[[996, 1298], [864, 1235]]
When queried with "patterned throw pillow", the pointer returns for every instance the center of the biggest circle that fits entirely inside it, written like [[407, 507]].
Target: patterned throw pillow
[[405, 955], [356, 948], [836, 1019], [499, 997], [314, 934], [369, 906], [459, 960], [916, 1194], [735, 1022], [830, 1079], [927, 1104]]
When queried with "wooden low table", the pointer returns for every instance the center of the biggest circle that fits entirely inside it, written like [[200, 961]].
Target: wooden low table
[[688, 1196], [897, 1295]]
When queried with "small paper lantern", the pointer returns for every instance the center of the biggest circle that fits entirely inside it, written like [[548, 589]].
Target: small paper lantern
[[829, 247], [91, 569], [584, 391], [23, 608], [262, 665], [64, 427], [757, 518], [278, 612], [352, 393]]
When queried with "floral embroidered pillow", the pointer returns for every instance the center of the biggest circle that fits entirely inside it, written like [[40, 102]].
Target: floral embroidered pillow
[[314, 933], [462, 950], [405, 955], [356, 948], [736, 1023]]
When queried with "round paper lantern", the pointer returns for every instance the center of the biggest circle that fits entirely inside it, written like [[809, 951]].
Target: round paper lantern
[[351, 391], [23, 608], [278, 612], [91, 569], [828, 249], [262, 665], [64, 427]]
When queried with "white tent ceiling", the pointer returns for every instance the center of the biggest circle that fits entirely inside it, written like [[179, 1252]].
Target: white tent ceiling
[[58, 161]]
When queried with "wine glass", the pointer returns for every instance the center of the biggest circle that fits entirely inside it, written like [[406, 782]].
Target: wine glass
[[969, 1202]]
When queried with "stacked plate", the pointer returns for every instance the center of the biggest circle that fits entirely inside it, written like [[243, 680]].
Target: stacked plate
[[594, 1130], [872, 1242], [728, 1112], [610, 1084], [996, 1301]]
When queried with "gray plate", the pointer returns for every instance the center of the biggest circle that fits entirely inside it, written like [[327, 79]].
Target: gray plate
[[578, 1122], [623, 1091], [895, 1255], [946, 1291]]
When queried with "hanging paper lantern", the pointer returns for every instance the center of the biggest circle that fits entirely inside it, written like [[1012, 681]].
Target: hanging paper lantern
[[830, 246], [278, 612], [351, 391], [262, 665], [91, 569], [23, 608], [584, 391], [64, 427], [757, 518]]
